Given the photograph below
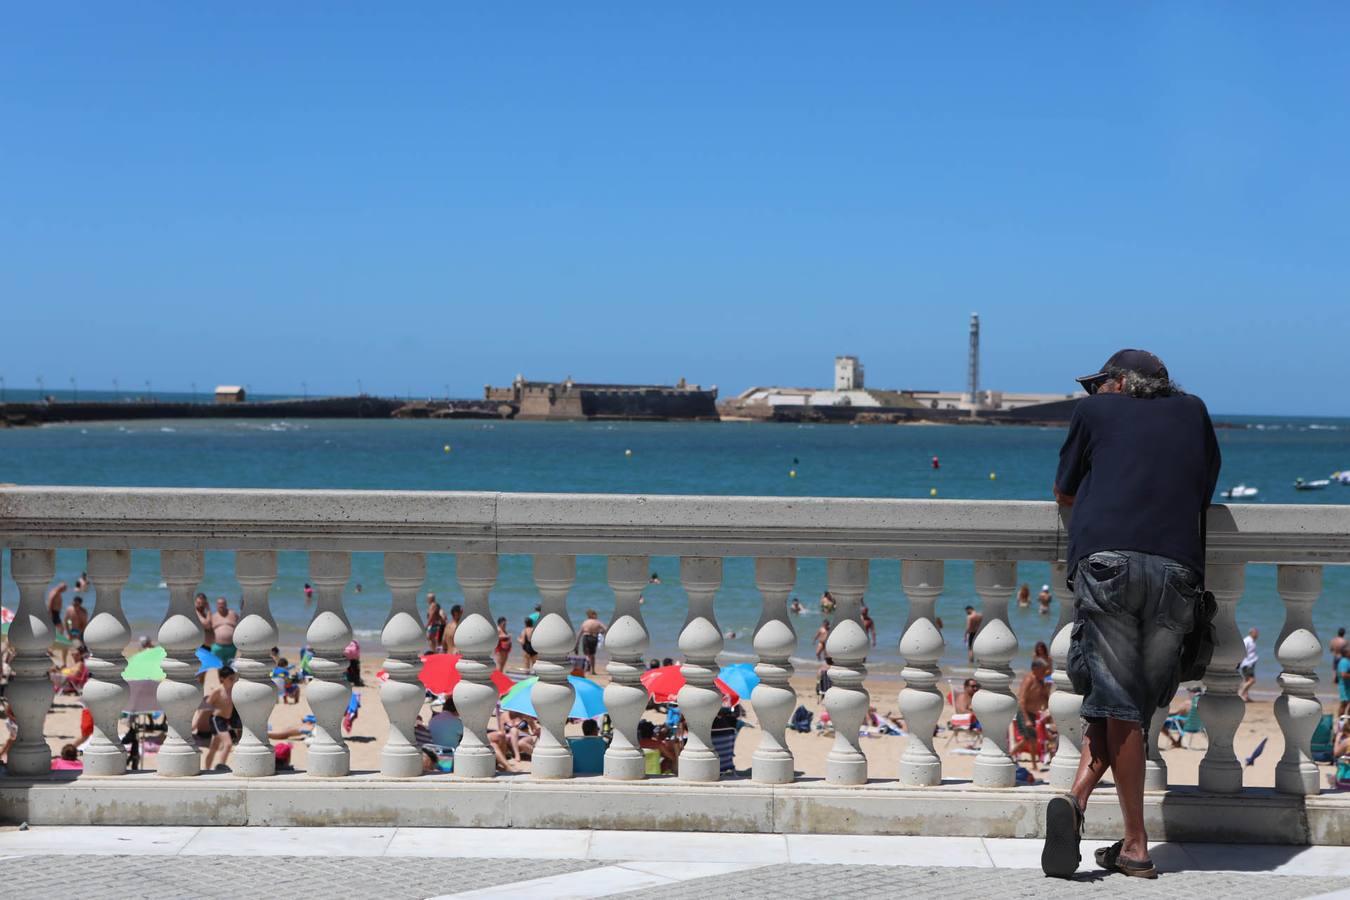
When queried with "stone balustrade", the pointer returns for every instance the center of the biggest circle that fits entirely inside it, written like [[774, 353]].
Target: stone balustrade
[[181, 525]]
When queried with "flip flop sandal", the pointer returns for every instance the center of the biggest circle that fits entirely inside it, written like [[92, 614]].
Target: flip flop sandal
[[1063, 834], [1109, 858]]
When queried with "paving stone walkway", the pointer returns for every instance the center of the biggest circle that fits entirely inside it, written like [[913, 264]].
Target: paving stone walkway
[[415, 863], [816, 882], [231, 877]]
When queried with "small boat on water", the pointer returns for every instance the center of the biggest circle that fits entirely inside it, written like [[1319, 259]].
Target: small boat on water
[[1239, 492], [1342, 477], [1301, 485]]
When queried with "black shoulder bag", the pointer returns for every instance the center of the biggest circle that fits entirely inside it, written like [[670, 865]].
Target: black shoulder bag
[[1197, 650]]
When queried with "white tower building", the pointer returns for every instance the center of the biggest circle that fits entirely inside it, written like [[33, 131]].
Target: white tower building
[[848, 373]]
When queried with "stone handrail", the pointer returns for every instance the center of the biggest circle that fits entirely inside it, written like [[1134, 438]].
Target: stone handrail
[[554, 528], [606, 524]]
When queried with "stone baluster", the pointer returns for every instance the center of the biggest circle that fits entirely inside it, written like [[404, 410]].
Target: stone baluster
[[626, 639], [254, 693], [1222, 709], [773, 699], [921, 646], [1065, 705], [328, 634], [847, 699], [700, 641], [1298, 649], [1155, 767], [106, 637], [180, 635], [552, 695], [403, 639], [475, 695], [995, 646], [31, 635]]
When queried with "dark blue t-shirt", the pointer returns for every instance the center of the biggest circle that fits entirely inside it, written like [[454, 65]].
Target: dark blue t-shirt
[[1142, 472]]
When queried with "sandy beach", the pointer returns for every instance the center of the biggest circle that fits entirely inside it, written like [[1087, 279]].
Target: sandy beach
[[809, 749]]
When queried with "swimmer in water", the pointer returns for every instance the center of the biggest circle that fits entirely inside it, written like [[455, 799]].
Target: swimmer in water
[[796, 608]]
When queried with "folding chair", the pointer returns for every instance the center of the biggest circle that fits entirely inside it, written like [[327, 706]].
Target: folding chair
[[1193, 725]]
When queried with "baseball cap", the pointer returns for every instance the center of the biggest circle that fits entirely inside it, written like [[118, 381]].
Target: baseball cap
[[1140, 361]]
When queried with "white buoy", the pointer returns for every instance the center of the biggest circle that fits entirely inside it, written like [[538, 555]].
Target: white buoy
[[446, 448], [792, 473], [628, 453], [932, 492]]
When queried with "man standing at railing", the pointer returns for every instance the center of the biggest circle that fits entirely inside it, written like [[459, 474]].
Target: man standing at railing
[[1138, 467]]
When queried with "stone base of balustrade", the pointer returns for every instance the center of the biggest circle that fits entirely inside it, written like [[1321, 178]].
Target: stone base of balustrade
[[811, 807]]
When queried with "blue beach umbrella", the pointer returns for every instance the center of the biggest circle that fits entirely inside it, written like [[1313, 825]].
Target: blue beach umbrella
[[208, 660], [740, 677], [588, 704]]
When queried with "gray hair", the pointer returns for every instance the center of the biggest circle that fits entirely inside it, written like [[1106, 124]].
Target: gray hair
[[1144, 387]]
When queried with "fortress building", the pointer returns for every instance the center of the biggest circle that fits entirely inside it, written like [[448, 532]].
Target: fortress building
[[571, 400]]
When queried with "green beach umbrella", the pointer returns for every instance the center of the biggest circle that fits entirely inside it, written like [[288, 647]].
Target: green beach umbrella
[[145, 666]]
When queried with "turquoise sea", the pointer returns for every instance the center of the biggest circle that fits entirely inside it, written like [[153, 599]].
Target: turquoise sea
[[667, 458]]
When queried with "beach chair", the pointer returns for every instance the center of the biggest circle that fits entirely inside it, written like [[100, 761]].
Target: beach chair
[[964, 729], [1193, 725], [588, 755], [1322, 746]]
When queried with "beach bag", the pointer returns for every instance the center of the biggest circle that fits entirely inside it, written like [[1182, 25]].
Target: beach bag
[[1197, 650]]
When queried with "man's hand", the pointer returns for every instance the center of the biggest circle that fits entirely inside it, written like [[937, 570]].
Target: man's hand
[[1061, 498]]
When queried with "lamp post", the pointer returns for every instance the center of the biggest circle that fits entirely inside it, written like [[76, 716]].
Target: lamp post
[[149, 394], [304, 389], [194, 392], [360, 391], [117, 392], [42, 391], [74, 391]]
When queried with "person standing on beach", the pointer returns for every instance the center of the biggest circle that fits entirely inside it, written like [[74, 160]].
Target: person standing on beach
[[223, 622], [76, 621], [448, 640], [589, 638], [974, 620], [202, 607], [1335, 645], [1248, 665], [224, 720], [1138, 467], [502, 652], [55, 602], [526, 644], [1343, 680], [435, 625], [822, 635]]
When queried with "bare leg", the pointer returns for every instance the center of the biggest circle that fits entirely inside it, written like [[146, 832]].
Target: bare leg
[[1092, 765], [1126, 740]]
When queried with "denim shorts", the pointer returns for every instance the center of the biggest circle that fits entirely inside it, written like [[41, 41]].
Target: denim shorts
[[1132, 611]]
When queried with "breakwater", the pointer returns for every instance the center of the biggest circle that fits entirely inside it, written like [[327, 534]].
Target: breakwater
[[358, 407]]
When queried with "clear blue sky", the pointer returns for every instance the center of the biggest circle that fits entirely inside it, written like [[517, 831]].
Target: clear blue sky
[[418, 195]]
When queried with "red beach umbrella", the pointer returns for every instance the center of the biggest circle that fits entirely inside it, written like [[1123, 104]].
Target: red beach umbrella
[[440, 676], [664, 684]]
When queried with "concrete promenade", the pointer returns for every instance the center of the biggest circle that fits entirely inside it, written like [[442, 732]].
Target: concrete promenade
[[391, 863]]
